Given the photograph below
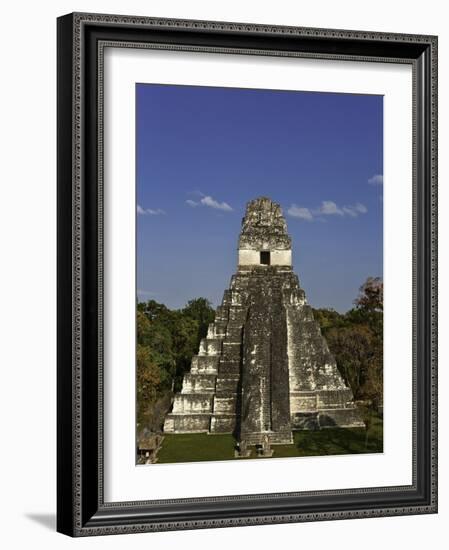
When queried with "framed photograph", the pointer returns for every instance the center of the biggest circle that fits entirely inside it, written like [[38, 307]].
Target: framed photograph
[[247, 279]]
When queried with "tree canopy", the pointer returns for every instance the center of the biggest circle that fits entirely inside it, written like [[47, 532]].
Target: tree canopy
[[356, 341], [166, 342]]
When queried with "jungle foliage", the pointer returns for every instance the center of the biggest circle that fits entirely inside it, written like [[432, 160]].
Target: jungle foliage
[[355, 339], [168, 339]]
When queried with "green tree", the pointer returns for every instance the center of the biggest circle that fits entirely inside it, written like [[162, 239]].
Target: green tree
[[155, 310], [173, 337], [369, 305], [157, 339], [147, 381], [185, 344], [353, 350], [200, 310], [371, 295], [329, 318], [356, 340], [143, 329]]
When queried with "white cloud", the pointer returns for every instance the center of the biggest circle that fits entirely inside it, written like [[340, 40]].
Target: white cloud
[[300, 212], [327, 208], [361, 208], [207, 200], [350, 211], [355, 210], [149, 211], [377, 179]]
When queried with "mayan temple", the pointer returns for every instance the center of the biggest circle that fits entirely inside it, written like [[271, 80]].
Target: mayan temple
[[264, 368]]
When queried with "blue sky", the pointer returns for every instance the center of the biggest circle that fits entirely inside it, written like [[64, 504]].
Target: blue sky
[[203, 153]]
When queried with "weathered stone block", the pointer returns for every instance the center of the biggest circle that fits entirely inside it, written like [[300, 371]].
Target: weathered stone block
[[225, 404], [227, 384], [341, 418], [232, 350], [220, 328], [210, 346], [223, 423], [227, 298], [198, 383], [234, 333], [302, 401], [192, 403], [169, 423], [205, 364], [228, 368], [187, 423], [237, 315], [334, 399], [222, 314]]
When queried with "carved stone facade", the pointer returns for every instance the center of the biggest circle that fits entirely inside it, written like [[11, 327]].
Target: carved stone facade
[[264, 368]]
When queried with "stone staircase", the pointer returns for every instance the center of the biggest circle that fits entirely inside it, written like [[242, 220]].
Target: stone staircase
[[208, 399]]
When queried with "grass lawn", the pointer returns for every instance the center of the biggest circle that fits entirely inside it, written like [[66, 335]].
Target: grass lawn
[[196, 447], [329, 441]]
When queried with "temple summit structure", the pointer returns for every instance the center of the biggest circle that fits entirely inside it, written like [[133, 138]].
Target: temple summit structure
[[264, 368]]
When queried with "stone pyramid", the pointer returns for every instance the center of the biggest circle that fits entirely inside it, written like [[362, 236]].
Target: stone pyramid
[[264, 368]]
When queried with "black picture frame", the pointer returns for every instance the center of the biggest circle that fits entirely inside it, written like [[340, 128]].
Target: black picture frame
[[81, 509]]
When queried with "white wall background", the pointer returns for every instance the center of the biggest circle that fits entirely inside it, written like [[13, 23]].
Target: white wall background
[[28, 283]]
